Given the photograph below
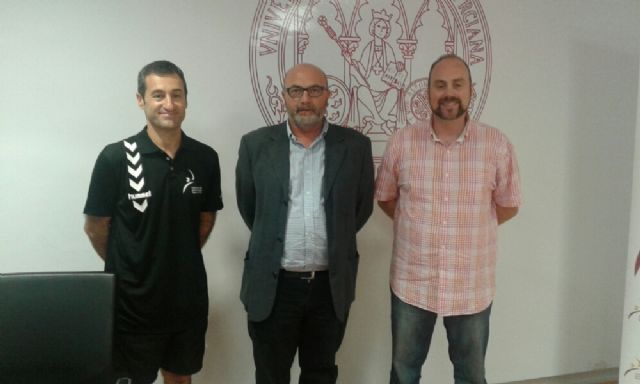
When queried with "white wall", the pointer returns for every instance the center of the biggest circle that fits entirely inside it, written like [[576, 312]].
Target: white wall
[[630, 347], [564, 88]]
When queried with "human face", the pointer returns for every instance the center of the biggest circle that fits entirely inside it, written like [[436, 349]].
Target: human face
[[307, 112], [164, 102], [449, 90], [380, 29]]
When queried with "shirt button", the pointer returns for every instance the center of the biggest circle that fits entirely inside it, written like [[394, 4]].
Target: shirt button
[[444, 222], [446, 199]]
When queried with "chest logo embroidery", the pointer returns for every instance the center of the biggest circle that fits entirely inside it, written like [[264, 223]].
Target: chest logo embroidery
[[136, 177], [189, 180]]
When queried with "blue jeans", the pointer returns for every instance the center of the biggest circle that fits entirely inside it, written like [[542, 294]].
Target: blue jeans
[[411, 329]]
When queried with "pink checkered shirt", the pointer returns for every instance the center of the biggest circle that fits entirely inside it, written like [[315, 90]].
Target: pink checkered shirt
[[445, 225]]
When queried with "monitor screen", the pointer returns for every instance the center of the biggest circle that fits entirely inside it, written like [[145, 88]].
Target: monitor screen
[[56, 327]]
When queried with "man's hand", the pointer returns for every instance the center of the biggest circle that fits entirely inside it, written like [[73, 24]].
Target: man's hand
[[97, 229], [388, 207], [505, 213], [207, 220]]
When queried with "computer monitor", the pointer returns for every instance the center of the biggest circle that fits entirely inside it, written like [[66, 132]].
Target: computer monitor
[[56, 327]]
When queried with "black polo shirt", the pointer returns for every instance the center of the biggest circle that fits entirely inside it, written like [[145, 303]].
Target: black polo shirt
[[154, 249]]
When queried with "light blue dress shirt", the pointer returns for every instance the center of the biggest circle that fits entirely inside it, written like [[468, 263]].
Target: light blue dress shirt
[[305, 246]]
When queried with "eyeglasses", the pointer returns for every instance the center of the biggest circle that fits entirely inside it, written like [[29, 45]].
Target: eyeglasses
[[296, 92]]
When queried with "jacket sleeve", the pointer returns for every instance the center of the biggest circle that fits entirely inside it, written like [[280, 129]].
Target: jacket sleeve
[[365, 186], [245, 187]]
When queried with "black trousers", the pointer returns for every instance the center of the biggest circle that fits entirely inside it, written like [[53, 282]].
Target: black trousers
[[302, 320]]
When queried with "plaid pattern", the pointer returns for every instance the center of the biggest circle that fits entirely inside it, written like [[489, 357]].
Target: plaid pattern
[[445, 226]]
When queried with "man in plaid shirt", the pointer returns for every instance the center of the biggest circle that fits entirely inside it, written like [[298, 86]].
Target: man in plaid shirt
[[447, 183]]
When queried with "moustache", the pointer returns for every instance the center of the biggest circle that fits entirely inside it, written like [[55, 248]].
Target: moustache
[[448, 99]]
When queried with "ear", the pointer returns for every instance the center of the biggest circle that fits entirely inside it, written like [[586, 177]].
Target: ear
[[140, 100]]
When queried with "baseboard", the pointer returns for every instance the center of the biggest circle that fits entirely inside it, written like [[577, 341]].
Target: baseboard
[[592, 377]]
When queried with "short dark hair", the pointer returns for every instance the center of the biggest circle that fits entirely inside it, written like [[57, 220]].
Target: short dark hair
[[161, 68], [449, 56]]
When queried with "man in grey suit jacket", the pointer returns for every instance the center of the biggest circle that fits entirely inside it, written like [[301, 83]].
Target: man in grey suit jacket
[[304, 188]]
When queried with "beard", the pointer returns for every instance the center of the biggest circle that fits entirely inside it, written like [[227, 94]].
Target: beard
[[308, 122], [441, 113]]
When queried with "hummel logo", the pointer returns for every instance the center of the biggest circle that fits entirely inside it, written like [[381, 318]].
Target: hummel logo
[[136, 178], [133, 159], [130, 146], [135, 172], [140, 206], [137, 186]]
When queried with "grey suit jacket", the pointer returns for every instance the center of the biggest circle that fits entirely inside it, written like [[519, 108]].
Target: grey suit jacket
[[262, 192]]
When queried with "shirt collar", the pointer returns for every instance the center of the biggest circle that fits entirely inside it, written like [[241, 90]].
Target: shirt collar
[[147, 146], [293, 139], [460, 139]]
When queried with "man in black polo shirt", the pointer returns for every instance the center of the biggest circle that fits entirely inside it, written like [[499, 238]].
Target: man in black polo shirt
[[151, 206]]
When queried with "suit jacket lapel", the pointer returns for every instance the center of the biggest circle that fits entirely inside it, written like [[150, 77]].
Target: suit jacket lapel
[[334, 152], [279, 156]]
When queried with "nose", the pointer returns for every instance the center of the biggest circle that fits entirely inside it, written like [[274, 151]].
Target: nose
[[448, 91], [168, 103], [305, 96]]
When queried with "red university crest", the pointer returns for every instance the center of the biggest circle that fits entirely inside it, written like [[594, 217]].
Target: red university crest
[[376, 55]]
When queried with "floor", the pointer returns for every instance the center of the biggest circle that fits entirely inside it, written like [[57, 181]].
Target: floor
[[605, 376]]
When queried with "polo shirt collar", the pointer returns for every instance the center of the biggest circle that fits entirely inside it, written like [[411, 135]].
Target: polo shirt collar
[[147, 146]]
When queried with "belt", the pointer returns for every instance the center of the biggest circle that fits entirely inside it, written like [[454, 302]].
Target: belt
[[308, 275]]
